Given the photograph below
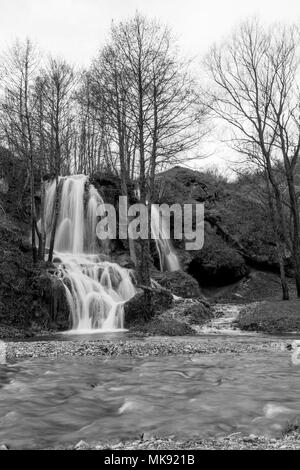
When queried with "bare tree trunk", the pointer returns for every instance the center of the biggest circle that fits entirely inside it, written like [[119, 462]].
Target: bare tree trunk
[[42, 239], [143, 266], [296, 228], [54, 220], [279, 242], [33, 213]]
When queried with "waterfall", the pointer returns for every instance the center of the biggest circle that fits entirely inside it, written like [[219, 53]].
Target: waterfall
[[168, 259], [96, 289], [167, 256]]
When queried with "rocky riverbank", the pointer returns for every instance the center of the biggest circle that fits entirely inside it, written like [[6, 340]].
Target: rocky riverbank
[[144, 347], [235, 441]]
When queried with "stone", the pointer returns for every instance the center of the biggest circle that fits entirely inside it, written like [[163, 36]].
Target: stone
[[217, 264], [134, 308], [3, 447], [179, 283]]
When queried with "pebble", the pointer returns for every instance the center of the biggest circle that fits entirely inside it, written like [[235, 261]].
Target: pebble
[[134, 348], [291, 442]]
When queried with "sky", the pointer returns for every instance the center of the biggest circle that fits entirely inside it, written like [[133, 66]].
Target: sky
[[76, 29]]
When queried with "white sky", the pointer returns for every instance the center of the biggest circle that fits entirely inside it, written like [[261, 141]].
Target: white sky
[[75, 29]]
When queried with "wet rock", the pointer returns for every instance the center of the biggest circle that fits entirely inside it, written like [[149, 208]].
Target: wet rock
[[134, 309]]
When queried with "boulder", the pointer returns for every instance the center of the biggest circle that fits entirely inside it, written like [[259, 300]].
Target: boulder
[[217, 264], [179, 283], [134, 309], [197, 314]]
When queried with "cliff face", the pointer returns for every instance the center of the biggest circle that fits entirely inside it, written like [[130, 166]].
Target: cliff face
[[237, 231]]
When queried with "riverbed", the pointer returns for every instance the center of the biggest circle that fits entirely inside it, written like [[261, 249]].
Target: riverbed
[[55, 393]]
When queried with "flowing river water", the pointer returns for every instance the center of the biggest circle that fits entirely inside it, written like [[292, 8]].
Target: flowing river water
[[47, 402]]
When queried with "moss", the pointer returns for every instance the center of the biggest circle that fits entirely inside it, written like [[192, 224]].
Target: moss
[[271, 317], [179, 283]]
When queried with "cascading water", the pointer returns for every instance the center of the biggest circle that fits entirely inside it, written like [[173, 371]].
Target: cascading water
[[168, 259], [167, 256], [96, 289]]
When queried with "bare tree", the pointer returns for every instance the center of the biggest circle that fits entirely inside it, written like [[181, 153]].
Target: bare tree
[[20, 65], [147, 100], [252, 82], [58, 84]]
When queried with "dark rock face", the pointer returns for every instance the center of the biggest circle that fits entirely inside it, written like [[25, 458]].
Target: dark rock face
[[179, 283], [232, 211], [29, 294], [51, 292], [161, 300], [217, 264]]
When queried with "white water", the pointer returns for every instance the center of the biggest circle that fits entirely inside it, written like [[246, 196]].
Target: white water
[[223, 322], [168, 259], [96, 289], [167, 256]]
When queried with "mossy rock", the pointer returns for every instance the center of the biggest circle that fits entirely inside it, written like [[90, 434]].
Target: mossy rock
[[134, 309], [271, 317], [179, 283], [217, 264]]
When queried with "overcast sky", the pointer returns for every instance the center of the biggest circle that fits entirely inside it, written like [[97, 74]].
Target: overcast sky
[[75, 29]]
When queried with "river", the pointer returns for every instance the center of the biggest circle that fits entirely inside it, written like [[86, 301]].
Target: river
[[46, 402]]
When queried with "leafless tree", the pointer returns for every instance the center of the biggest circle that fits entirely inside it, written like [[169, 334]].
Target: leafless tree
[[19, 67], [58, 85], [252, 88], [147, 98]]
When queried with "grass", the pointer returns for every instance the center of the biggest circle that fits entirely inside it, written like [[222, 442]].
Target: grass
[[271, 317]]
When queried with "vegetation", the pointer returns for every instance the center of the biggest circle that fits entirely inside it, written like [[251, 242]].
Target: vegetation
[[271, 317], [254, 89]]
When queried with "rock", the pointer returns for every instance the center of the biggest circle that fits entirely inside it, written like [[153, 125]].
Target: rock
[[134, 309], [197, 314], [51, 291], [179, 283], [3, 447], [81, 445], [217, 264]]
